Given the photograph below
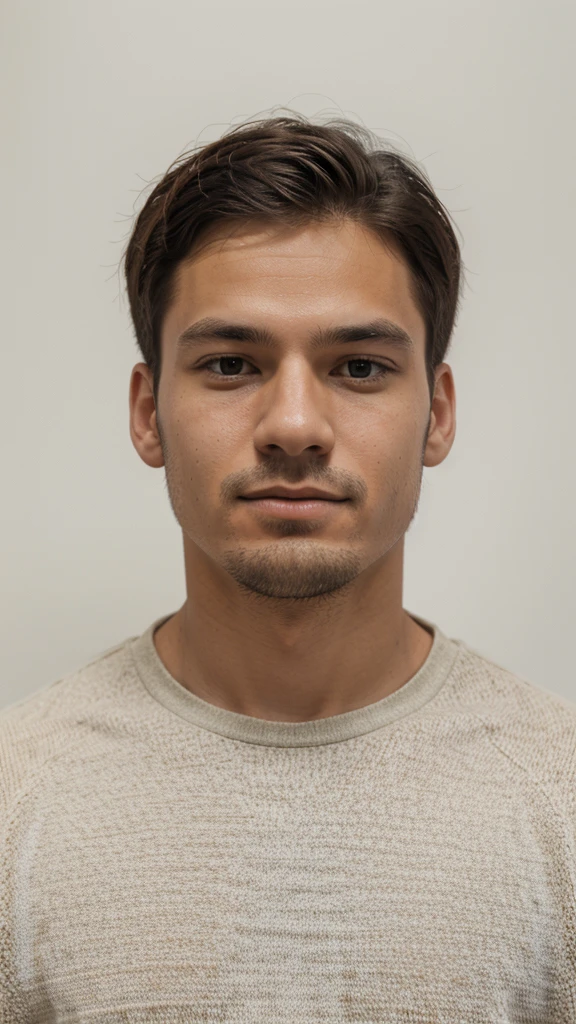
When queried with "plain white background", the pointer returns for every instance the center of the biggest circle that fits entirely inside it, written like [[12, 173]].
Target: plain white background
[[98, 99]]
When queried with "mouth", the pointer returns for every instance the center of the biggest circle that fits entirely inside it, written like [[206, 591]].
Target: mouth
[[294, 508]]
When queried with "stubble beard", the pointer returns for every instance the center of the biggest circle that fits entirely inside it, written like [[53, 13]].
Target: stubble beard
[[294, 568]]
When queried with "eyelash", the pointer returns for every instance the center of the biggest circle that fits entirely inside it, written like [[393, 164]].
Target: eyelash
[[384, 369]]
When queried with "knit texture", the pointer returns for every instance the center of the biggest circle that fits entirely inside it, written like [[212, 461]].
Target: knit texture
[[166, 860]]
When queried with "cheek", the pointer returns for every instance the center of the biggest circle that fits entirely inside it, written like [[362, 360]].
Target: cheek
[[210, 416], [203, 444], [388, 455], [386, 437]]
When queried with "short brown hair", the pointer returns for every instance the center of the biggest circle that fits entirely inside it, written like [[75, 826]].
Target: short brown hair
[[291, 171]]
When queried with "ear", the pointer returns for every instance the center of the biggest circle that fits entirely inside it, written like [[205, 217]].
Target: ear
[[143, 426], [442, 428]]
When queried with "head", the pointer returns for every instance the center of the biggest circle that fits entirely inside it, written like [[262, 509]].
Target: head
[[293, 289]]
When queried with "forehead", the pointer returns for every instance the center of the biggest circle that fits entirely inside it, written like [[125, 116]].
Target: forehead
[[332, 271]]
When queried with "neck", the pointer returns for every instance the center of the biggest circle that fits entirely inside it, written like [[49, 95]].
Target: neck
[[292, 661]]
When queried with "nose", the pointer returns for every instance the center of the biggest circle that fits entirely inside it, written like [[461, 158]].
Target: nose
[[295, 412]]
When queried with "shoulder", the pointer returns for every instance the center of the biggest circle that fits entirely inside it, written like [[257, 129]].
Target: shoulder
[[46, 724], [535, 729]]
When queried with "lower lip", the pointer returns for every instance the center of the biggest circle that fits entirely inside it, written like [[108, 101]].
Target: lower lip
[[290, 508]]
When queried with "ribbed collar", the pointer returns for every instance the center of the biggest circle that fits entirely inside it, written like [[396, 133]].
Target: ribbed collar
[[421, 688]]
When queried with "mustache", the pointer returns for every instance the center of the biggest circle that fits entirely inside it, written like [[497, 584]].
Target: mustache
[[279, 472]]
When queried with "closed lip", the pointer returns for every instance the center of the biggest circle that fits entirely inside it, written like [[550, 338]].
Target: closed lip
[[300, 493]]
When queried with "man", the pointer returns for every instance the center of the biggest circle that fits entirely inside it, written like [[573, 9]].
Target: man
[[291, 800]]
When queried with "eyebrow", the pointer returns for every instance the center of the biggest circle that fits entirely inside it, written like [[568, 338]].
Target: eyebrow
[[379, 330]]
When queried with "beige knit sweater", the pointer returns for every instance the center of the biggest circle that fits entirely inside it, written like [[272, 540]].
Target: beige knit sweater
[[410, 862]]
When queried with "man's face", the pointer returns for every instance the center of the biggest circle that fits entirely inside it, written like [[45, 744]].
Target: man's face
[[349, 417]]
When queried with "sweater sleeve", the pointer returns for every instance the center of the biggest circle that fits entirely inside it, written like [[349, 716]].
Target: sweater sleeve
[[30, 736]]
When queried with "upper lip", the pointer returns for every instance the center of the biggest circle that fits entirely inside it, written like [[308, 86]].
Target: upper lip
[[287, 492]]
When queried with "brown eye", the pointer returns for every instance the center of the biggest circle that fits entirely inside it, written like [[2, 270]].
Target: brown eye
[[230, 365], [224, 366], [359, 367], [359, 370]]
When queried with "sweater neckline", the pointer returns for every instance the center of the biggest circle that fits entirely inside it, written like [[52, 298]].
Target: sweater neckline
[[416, 692]]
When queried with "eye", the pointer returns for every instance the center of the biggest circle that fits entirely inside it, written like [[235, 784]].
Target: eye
[[229, 367], [361, 366]]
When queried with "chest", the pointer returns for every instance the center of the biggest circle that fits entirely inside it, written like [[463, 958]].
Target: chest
[[196, 902]]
